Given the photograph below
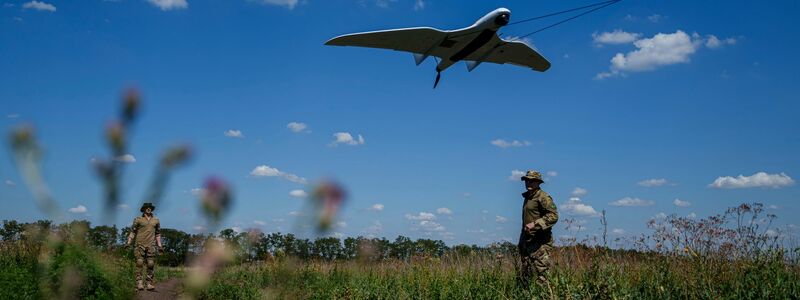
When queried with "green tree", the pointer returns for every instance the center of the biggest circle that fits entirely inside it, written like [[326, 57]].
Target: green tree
[[103, 237]]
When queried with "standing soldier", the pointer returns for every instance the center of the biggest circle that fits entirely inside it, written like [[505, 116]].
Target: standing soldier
[[146, 230], [536, 239]]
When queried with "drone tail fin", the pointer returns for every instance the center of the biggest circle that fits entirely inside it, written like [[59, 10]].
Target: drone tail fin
[[419, 58]]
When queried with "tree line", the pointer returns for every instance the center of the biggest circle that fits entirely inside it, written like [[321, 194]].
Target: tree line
[[180, 246]]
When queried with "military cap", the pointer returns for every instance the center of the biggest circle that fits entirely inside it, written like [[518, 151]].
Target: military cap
[[146, 205], [532, 175]]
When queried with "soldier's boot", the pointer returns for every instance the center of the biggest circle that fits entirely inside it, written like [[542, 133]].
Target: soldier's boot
[[150, 287], [139, 285]]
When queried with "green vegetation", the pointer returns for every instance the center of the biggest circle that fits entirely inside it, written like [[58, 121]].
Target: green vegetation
[[733, 255]]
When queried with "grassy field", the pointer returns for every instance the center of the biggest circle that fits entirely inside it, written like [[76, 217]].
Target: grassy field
[[579, 273]]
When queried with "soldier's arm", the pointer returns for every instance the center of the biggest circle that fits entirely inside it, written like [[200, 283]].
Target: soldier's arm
[[550, 216], [132, 233], [158, 234]]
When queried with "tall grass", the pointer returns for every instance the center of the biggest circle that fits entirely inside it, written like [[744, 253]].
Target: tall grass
[[579, 273]]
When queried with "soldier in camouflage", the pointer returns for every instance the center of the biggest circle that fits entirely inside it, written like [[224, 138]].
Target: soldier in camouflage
[[536, 239], [146, 231]]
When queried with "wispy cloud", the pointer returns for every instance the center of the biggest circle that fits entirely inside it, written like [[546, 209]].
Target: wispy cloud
[[8, 182], [419, 5], [127, 158], [653, 182], [760, 179], [422, 216], [39, 5], [80, 209], [376, 207], [516, 175], [500, 219], [298, 127], [169, 4], [267, 171], [290, 4], [681, 203], [618, 231], [444, 211], [298, 193], [615, 37], [513, 143], [579, 192], [234, 133], [714, 42], [628, 201], [345, 138]]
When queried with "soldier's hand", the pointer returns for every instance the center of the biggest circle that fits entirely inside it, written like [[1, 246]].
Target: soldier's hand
[[530, 227]]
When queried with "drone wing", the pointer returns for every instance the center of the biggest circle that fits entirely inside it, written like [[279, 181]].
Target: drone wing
[[518, 53], [418, 40]]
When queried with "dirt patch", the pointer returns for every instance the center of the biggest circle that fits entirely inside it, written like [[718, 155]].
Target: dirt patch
[[169, 289]]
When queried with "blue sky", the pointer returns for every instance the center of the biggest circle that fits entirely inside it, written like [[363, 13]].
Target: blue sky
[[646, 102]]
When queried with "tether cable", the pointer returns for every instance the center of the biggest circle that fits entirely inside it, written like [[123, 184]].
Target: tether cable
[[563, 12], [602, 5]]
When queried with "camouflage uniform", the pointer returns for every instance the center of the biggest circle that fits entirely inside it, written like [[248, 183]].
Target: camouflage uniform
[[145, 232], [536, 246]]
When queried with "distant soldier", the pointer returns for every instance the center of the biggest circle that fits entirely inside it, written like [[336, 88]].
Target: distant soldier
[[146, 230], [536, 239]]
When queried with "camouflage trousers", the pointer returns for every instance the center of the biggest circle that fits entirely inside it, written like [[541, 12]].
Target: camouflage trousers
[[144, 254], [535, 262]]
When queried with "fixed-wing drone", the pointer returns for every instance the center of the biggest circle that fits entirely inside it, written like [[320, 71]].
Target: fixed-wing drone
[[475, 44]]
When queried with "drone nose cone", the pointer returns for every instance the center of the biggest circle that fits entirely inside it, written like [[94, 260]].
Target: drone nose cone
[[502, 19]]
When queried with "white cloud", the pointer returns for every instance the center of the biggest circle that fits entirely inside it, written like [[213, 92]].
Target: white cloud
[[39, 5], [422, 216], [444, 211], [500, 219], [505, 144], [714, 42], [773, 206], [295, 213], [198, 228], [419, 5], [652, 182], [660, 216], [126, 158], [552, 173], [297, 127], [234, 133], [681, 203], [347, 139], [376, 207], [80, 209], [428, 225], [579, 192], [615, 37], [516, 175], [574, 206], [618, 231], [760, 179], [691, 216], [290, 4], [298, 193], [662, 49], [267, 171], [341, 224], [8, 182], [169, 4], [236, 229], [123, 206], [259, 223], [628, 201]]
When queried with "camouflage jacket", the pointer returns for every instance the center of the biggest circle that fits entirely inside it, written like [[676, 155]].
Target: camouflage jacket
[[539, 208], [145, 231]]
